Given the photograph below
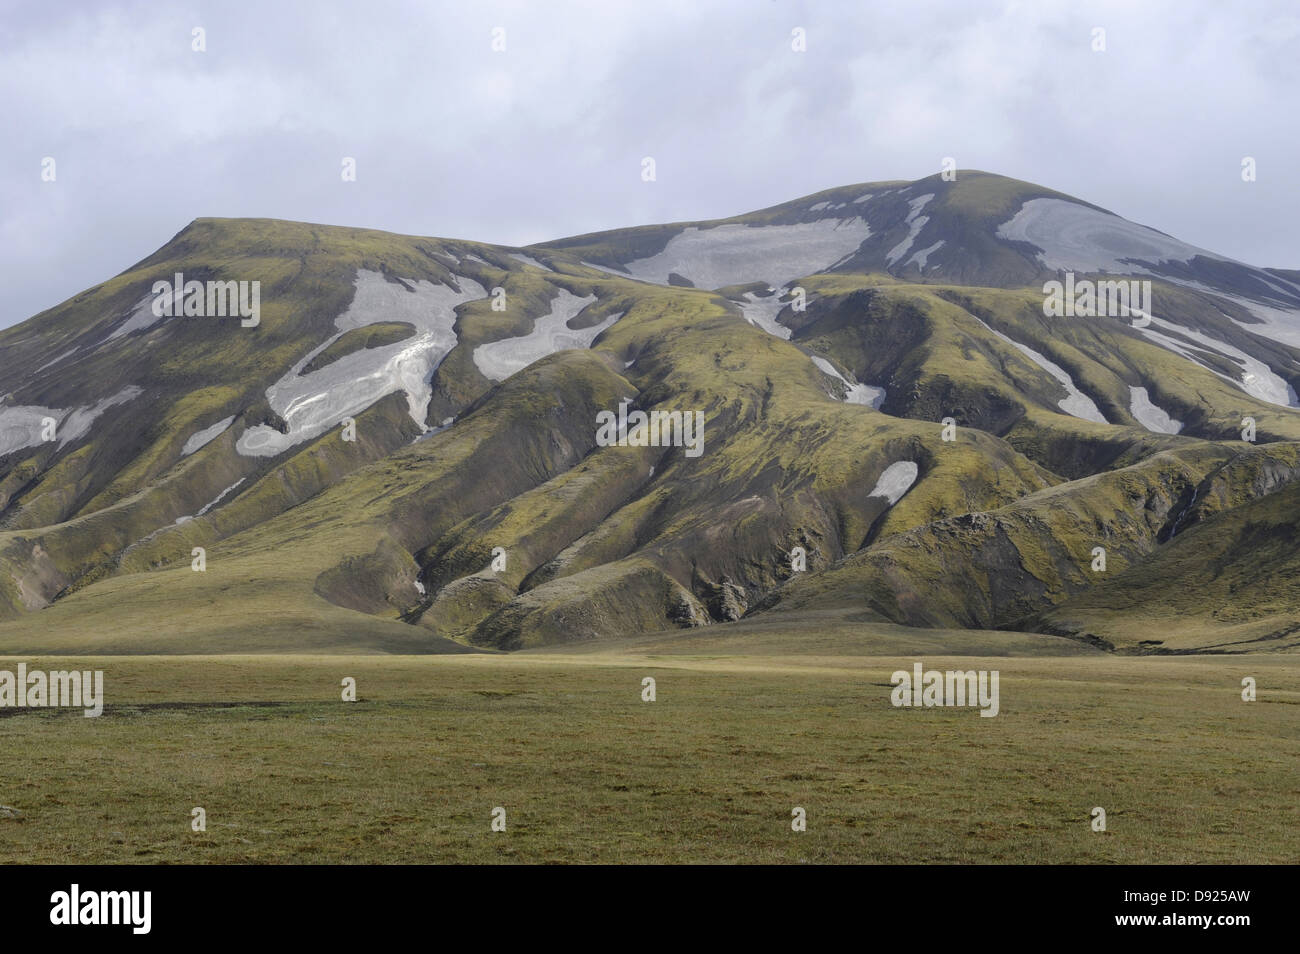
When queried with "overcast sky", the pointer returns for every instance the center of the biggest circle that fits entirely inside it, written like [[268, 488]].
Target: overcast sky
[[546, 138]]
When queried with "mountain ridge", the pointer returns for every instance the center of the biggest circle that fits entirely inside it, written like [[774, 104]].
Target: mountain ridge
[[922, 307]]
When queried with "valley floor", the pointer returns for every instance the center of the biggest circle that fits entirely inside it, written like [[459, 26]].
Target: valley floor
[[709, 772]]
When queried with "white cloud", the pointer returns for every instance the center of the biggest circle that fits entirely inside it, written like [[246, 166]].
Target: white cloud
[[545, 139]]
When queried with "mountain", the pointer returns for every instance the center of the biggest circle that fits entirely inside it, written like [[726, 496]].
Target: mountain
[[405, 446]]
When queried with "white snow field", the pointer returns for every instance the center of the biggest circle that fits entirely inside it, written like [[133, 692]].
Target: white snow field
[[313, 403], [1075, 403], [142, 315], [1075, 237], [220, 497], [762, 312], [203, 438], [497, 360], [77, 423], [895, 480], [1278, 324], [529, 260], [1257, 379], [55, 360], [216, 500], [20, 425], [920, 258], [855, 393], [1150, 416], [737, 254], [917, 222]]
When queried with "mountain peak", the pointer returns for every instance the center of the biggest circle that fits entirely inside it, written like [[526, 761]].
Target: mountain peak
[[400, 406]]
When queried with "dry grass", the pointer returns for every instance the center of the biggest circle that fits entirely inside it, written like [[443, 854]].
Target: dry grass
[[586, 771]]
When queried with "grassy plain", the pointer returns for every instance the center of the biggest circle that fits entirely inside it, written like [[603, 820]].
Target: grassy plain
[[709, 772]]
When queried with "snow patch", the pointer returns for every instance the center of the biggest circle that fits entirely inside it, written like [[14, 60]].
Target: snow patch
[[142, 315], [311, 404], [896, 480], [497, 360], [1075, 237], [917, 222], [221, 496], [206, 436], [1150, 416], [917, 204], [77, 424], [529, 260], [738, 254], [446, 423], [1076, 403], [920, 258], [864, 394], [763, 311], [1257, 378], [612, 271], [1278, 324], [20, 425], [51, 363]]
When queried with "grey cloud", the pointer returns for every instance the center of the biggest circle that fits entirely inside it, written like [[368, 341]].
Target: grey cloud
[[545, 139]]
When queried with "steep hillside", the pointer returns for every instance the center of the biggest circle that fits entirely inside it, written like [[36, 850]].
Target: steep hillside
[[863, 406]]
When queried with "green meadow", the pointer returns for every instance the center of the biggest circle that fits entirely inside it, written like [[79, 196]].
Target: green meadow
[[709, 772]]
